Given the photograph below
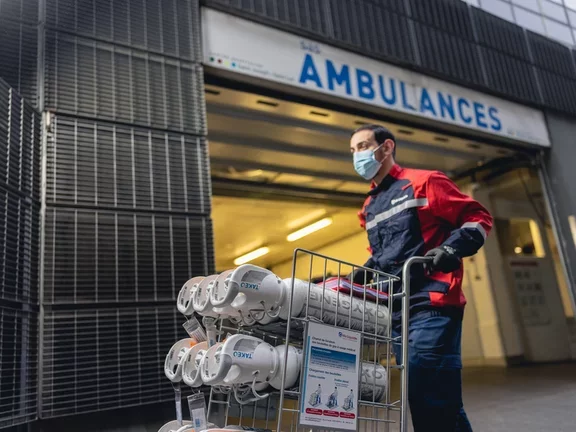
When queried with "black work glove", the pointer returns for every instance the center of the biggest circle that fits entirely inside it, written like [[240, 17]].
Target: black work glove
[[361, 276], [445, 259]]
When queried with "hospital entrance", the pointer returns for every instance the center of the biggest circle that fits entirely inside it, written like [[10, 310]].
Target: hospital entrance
[[282, 178]]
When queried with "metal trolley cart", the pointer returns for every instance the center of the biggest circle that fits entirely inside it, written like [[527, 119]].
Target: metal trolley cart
[[304, 356]]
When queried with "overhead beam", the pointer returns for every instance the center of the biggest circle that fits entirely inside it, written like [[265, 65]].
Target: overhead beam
[[276, 145], [279, 120], [285, 169]]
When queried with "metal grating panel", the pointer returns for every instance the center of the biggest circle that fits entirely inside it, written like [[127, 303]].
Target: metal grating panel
[[497, 33], [103, 257], [450, 16], [169, 27], [18, 364], [19, 231], [308, 15], [18, 54], [128, 194], [552, 56], [31, 138], [505, 56], [559, 92], [19, 197], [19, 10], [111, 358], [448, 55], [379, 27], [19, 144], [115, 166], [100, 80], [376, 27], [510, 75]]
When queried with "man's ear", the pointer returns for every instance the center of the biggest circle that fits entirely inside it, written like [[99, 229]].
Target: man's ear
[[388, 147]]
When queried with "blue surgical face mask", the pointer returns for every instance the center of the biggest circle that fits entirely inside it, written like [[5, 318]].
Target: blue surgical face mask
[[365, 163]]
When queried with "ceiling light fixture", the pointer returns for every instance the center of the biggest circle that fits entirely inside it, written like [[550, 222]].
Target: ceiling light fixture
[[303, 232], [267, 103], [318, 113], [307, 218], [251, 256], [405, 132]]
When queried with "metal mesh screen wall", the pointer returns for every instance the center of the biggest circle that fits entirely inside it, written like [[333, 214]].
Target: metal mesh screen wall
[[127, 193], [387, 33], [127, 196], [103, 257], [104, 81], [110, 360], [166, 27], [19, 246], [125, 167], [19, 366], [19, 46]]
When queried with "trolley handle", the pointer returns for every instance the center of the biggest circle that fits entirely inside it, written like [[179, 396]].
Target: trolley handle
[[404, 337], [408, 266]]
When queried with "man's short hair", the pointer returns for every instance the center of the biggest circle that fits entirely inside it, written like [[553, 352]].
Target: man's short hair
[[381, 134]]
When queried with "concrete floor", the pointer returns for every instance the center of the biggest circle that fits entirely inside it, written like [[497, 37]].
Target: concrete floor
[[521, 399], [539, 398]]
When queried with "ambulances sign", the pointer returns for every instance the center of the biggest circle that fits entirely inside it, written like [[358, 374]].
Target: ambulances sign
[[248, 48]]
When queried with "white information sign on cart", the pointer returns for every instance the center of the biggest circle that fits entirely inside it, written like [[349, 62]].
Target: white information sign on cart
[[330, 378]]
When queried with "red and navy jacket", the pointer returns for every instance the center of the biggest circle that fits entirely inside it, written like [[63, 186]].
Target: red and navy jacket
[[413, 211]]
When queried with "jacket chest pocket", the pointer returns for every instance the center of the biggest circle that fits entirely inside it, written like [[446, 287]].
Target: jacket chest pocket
[[394, 234], [398, 227]]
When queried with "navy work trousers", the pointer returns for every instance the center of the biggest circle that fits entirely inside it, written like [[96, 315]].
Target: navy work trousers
[[435, 371]]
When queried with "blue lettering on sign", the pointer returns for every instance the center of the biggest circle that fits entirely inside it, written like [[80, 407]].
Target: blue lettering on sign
[[426, 103], [404, 97], [365, 84], [342, 78], [391, 99], [309, 72], [250, 285], [446, 106], [497, 124], [480, 115], [461, 103], [241, 354], [397, 94]]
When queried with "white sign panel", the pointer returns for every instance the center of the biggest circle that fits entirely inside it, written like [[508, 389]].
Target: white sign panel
[[248, 48], [530, 289], [330, 378]]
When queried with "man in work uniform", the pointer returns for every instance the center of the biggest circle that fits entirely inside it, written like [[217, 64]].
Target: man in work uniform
[[412, 212]]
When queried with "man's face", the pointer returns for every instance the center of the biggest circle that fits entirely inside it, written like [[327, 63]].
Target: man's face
[[365, 140]]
